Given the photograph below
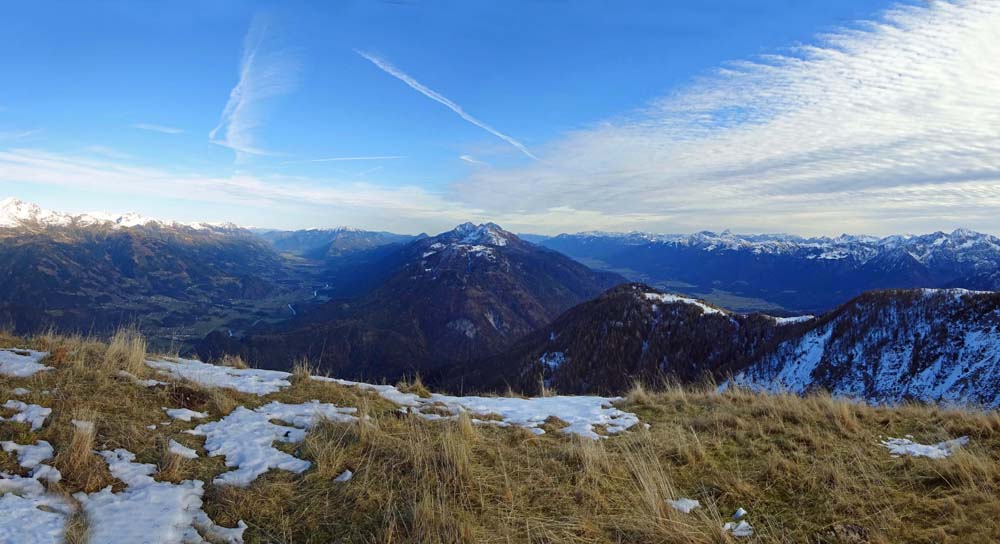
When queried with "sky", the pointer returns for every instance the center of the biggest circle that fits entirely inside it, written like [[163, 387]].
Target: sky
[[545, 116]]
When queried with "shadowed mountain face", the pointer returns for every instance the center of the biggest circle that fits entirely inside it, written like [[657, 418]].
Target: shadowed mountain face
[[790, 273], [464, 294], [630, 333]]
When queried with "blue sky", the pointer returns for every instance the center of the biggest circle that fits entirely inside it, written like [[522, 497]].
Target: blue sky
[[546, 116]]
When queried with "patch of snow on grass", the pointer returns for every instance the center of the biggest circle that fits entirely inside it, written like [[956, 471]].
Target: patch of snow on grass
[[21, 363], [139, 381], [29, 514], [246, 437], [20, 391], [245, 380], [177, 448], [184, 414], [738, 529], [684, 505], [582, 413], [904, 446], [149, 511], [388, 392], [675, 299], [29, 455], [344, 476], [32, 414], [48, 473]]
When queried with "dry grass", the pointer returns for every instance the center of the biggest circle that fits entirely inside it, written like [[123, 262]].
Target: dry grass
[[126, 351], [807, 469], [233, 361], [302, 370]]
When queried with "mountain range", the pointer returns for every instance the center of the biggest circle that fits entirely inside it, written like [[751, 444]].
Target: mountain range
[[478, 308], [789, 274]]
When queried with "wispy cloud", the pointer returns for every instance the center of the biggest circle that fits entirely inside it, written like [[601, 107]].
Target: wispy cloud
[[264, 72], [362, 204], [472, 160], [371, 158], [157, 128], [885, 126], [107, 151], [19, 134], [388, 68]]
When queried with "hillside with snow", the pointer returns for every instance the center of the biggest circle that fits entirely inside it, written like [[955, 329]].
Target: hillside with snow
[[940, 346]]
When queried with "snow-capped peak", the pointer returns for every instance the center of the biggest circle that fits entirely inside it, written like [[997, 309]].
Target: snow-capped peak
[[488, 234], [14, 212], [17, 213]]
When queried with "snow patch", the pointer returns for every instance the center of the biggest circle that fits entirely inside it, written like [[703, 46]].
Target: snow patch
[[684, 505], [177, 448], [32, 414], [780, 321], [31, 515], [28, 455], [666, 298], [581, 413], [149, 511], [184, 414], [246, 437], [740, 529], [905, 446], [139, 381], [21, 363], [245, 380]]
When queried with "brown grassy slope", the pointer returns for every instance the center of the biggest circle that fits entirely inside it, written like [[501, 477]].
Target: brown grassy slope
[[806, 469]]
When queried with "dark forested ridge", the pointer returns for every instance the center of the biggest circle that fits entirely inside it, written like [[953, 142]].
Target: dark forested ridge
[[462, 295]]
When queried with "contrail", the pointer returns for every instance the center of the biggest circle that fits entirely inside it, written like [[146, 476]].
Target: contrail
[[388, 68]]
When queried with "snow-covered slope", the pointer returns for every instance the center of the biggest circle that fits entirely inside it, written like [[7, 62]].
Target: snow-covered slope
[[889, 346]]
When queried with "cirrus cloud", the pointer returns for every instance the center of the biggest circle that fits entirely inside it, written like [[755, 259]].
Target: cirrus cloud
[[890, 124]]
